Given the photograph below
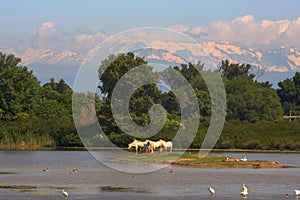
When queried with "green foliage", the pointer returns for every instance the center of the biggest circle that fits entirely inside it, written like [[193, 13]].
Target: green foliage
[[250, 101], [264, 135], [55, 101], [66, 136], [247, 99], [38, 116], [289, 92], [33, 116], [37, 133], [19, 87], [141, 100], [116, 66], [233, 71]]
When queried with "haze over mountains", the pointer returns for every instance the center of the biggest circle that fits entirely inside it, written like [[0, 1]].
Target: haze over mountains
[[274, 65], [270, 46]]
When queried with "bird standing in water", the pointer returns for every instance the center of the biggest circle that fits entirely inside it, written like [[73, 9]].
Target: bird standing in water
[[211, 190], [65, 194]]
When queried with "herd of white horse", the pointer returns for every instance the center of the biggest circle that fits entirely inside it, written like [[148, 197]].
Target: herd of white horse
[[149, 146]]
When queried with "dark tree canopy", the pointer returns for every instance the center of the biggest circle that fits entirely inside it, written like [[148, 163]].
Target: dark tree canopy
[[19, 87], [142, 98], [289, 93], [248, 99], [235, 70]]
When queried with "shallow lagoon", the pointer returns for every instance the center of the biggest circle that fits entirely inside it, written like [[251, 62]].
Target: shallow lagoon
[[96, 181]]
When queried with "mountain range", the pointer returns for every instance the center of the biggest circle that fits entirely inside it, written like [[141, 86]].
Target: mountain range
[[271, 65]]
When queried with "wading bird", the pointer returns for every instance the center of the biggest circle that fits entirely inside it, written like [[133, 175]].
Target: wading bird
[[211, 190], [244, 159], [244, 191], [65, 194]]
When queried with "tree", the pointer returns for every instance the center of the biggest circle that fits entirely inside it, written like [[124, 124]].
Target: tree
[[19, 87], [55, 101], [235, 70], [289, 93], [248, 100], [142, 98], [116, 67]]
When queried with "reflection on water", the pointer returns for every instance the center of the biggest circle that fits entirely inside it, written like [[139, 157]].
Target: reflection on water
[[184, 183]]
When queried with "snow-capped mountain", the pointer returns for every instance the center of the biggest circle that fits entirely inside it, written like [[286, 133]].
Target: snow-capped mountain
[[46, 63], [32, 56], [276, 64]]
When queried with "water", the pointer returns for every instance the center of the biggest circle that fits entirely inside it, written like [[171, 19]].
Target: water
[[183, 183]]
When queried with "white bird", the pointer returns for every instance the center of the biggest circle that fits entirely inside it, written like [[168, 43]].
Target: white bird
[[244, 188], [65, 194], [244, 193], [297, 192], [211, 190], [244, 159]]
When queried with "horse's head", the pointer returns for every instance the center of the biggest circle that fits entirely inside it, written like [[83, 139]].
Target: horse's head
[[146, 141], [130, 145]]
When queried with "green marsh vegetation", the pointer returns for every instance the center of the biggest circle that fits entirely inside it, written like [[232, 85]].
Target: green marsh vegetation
[[35, 116]]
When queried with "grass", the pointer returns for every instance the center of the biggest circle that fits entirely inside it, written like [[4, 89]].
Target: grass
[[18, 186], [109, 188], [8, 173], [193, 160]]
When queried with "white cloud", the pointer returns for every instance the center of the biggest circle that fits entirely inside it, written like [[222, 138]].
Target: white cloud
[[291, 35], [196, 30], [245, 30], [88, 41], [46, 26], [45, 35], [180, 28], [48, 37]]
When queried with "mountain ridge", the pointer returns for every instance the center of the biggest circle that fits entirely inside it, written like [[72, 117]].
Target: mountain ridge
[[284, 60]]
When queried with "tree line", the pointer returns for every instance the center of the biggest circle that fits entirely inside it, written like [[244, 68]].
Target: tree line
[[38, 115]]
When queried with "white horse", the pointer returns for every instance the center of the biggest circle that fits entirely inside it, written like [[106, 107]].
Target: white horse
[[155, 145], [167, 145], [137, 144]]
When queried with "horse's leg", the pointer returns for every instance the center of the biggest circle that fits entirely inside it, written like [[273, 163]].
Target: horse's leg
[[161, 149], [151, 150]]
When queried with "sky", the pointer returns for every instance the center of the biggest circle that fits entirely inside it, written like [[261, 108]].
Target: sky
[[40, 24]]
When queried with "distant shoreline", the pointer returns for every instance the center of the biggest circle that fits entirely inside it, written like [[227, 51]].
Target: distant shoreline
[[192, 160], [187, 150]]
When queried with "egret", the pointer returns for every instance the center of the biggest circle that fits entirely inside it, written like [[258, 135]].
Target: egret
[[244, 193], [244, 159], [65, 194], [211, 190], [244, 188], [297, 192]]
